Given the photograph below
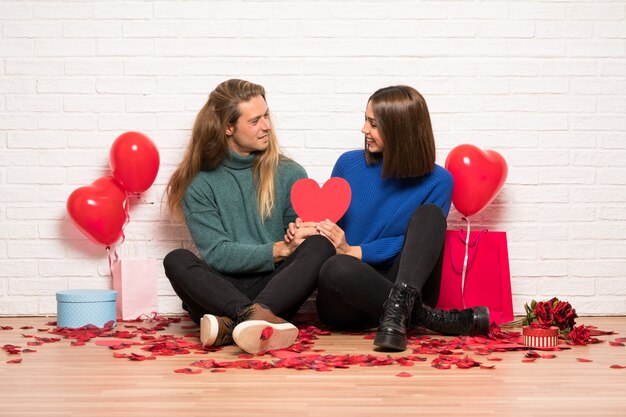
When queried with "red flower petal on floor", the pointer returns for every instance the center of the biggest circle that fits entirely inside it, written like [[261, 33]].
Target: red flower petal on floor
[[617, 366], [267, 333], [494, 359], [612, 343], [6, 327], [15, 360], [29, 351], [548, 356], [404, 375], [529, 360], [245, 356], [218, 370], [188, 371], [583, 360], [487, 366], [620, 339], [26, 327]]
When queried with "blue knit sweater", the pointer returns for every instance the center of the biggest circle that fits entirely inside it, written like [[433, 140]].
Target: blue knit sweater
[[380, 209]]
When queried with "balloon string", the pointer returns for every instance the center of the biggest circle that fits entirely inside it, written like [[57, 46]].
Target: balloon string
[[108, 248], [465, 261]]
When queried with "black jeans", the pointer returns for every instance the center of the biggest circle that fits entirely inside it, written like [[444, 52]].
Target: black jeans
[[205, 291], [351, 293]]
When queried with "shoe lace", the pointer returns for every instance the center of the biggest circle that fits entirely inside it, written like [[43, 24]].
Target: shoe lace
[[398, 305]]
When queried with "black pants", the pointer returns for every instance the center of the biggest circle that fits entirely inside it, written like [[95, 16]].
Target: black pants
[[283, 291], [351, 293]]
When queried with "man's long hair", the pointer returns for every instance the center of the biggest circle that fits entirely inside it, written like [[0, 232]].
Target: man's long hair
[[208, 147]]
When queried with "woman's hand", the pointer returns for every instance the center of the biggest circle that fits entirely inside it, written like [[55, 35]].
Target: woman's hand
[[337, 237]]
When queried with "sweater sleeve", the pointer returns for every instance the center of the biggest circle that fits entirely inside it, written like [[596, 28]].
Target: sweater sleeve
[[381, 250], [441, 194], [216, 247]]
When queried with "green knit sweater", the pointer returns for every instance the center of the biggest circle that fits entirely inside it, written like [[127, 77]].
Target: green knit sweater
[[222, 215]]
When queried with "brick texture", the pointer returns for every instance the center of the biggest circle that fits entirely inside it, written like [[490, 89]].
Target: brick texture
[[542, 82]]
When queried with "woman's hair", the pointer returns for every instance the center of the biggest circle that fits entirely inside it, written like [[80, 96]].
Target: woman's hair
[[209, 146], [404, 124]]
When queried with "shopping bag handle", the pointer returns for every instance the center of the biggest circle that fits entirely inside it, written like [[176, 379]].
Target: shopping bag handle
[[471, 244]]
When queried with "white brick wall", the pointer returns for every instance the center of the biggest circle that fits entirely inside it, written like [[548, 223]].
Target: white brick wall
[[542, 82]]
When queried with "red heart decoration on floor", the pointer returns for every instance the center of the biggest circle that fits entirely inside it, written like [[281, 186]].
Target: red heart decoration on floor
[[478, 176], [314, 204], [99, 210]]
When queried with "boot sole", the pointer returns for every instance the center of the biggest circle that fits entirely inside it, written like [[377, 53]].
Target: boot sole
[[208, 330], [482, 320], [390, 341], [248, 336]]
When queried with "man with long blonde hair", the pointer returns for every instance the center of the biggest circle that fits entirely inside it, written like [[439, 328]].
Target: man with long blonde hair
[[233, 190]]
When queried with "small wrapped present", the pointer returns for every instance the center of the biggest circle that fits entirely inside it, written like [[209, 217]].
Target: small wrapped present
[[539, 337]]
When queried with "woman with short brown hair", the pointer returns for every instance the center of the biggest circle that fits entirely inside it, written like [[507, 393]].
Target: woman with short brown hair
[[389, 243]]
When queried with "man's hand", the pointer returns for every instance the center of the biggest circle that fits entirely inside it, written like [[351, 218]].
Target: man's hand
[[294, 236]]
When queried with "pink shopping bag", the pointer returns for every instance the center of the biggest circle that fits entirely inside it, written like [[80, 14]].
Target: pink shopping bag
[[136, 286], [487, 276]]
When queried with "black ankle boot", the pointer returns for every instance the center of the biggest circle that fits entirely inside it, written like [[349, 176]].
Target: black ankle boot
[[468, 322], [391, 334]]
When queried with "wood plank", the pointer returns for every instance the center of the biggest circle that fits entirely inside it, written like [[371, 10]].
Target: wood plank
[[64, 380]]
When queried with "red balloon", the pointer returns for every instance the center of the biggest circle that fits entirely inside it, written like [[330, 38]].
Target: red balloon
[[478, 176], [99, 210], [134, 161]]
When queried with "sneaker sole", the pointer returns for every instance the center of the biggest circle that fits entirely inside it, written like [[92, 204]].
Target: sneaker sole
[[208, 329], [247, 335]]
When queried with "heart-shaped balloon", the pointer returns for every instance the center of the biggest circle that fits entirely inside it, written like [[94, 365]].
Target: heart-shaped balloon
[[478, 176], [315, 204], [134, 161], [99, 210]]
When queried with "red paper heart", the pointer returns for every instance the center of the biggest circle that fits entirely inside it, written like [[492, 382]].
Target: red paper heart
[[98, 210], [478, 176], [315, 204]]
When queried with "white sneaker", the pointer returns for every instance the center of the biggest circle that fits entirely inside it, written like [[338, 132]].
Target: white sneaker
[[252, 336], [215, 330]]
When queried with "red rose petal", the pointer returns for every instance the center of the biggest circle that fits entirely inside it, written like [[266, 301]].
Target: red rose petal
[[529, 360], [487, 366], [267, 333], [404, 375], [19, 360], [188, 371], [548, 356], [494, 359], [612, 343], [218, 370], [617, 366], [583, 360]]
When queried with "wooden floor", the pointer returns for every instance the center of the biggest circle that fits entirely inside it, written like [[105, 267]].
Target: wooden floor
[[63, 380]]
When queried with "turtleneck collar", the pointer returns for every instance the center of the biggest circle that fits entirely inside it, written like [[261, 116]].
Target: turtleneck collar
[[236, 161]]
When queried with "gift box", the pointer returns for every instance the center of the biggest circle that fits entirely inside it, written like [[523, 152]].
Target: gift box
[[538, 337], [78, 308]]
